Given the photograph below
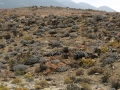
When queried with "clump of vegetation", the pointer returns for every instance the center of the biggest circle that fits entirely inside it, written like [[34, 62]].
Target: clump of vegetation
[[95, 70], [105, 77], [87, 62], [21, 88], [42, 83], [79, 72], [2, 87], [72, 87], [27, 38], [28, 77], [104, 49], [16, 81], [79, 54], [116, 84], [38, 87], [86, 86], [19, 73], [67, 80], [115, 43]]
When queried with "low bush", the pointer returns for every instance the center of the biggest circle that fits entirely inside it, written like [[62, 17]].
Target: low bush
[[95, 70]]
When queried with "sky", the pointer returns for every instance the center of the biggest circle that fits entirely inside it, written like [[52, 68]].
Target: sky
[[114, 4]]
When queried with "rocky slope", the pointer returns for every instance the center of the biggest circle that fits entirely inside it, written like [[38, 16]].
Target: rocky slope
[[59, 49]]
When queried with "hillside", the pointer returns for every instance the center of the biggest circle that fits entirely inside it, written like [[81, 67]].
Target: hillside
[[56, 48]]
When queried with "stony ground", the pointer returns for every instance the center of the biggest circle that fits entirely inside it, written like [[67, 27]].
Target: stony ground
[[55, 48]]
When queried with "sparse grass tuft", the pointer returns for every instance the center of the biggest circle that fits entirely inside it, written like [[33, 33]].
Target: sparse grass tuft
[[88, 62], [2, 87], [104, 49], [86, 86], [67, 80], [16, 81]]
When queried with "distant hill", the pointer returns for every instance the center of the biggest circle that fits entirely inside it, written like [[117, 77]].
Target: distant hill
[[83, 5], [106, 8], [62, 3]]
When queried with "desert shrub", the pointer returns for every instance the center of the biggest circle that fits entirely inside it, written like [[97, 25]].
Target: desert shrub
[[79, 72], [115, 84], [109, 60], [67, 80], [52, 31], [19, 73], [7, 36], [27, 38], [20, 88], [105, 77], [95, 70], [72, 87], [79, 54], [82, 80], [42, 83], [16, 81], [86, 63], [28, 77], [55, 44], [85, 86], [104, 49], [19, 67], [115, 43], [2, 87]]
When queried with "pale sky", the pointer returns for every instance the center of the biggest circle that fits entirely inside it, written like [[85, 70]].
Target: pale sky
[[114, 4]]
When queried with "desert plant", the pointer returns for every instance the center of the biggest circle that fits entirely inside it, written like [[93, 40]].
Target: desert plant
[[85, 86], [67, 80], [114, 43], [79, 72], [20, 88], [104, 49], [79, 54], [116, 84], [42, 83], [95, 70], [27, 38], [19, 73], [86, 63], [28, 77], [16, 81], [72, 87], [105, 77], [2, 87]]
